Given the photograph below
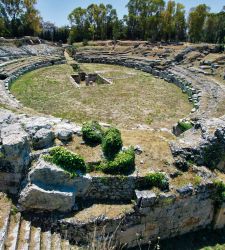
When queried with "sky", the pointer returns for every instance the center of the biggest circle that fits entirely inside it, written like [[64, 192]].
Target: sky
[[57, 11]]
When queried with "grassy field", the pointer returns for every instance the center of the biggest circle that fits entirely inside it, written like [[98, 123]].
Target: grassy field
[[133, 98]]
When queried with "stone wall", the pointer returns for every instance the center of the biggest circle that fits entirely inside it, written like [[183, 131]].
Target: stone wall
[[112, 188], [161, 215]]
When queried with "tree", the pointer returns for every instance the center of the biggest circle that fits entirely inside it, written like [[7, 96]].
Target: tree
[[180, 22], [31, 18], [196, 21], [95, 22], [20, 17], [168, 20]]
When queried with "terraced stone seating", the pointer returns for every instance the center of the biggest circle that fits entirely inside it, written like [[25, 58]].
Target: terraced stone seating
[[15, 61], [18, 233]]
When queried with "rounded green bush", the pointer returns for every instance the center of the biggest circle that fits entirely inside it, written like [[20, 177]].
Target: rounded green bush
[[111, 143], [123, 163], [67, 160], [156, 179], [92, 133]]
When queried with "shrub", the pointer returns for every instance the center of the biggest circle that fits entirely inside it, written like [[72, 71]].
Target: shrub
[[111, 143], [85, 42], [123, 163], [157, 180], [220, 191], [92, 133], [67, 160], [184, 126], [75, 66], [71, 51]]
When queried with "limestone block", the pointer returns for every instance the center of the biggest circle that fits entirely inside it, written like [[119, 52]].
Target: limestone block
[[186, 190], [145, 198], [33, 197], [43, 138], [64, 134], [45, 174], [15, 147]]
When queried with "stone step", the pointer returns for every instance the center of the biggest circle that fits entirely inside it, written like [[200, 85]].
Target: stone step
[[56, 242], [4, 218], [13, 232], [46, 240], [65, 245], [24, 235], [35, 238]]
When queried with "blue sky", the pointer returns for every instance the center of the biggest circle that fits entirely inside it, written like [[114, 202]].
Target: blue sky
[[57, 11]]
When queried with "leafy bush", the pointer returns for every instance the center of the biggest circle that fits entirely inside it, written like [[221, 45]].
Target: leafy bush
[[111, 143], [184, 126], [156, 179], [92, 133], [75, 66], [71, 51], [123, 163], [67, 160], [85, 42]]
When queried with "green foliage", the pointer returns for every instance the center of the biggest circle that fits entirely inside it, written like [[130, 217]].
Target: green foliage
[[1, 155], [123, 163], [71, 51], [156, 179], [67, 160], [75, 66], [213, 154], [184, 126], [85, 42], [92, 133], [196, 21], [220, 191], [19, 18], [111, 143]]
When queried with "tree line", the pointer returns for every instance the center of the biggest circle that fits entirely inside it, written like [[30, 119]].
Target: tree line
[[152, 20]]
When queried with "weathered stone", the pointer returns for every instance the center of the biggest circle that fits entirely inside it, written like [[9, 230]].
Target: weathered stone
[[33, 197], [138, 150], [47, 175], [186, 190], [145, 198], [64, 135], [15, 148], [43, 138]]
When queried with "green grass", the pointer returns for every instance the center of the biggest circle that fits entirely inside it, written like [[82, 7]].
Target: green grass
[[140, 99]]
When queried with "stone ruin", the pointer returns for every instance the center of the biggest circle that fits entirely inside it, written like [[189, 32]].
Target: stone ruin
[[47, 197], [89, 79]]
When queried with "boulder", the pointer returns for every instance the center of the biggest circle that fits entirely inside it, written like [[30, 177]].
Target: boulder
[[6, 117], [43, 138], [64, 135], [204, 145], [47, 175], [15, 148], [145, 198], [33, 197]]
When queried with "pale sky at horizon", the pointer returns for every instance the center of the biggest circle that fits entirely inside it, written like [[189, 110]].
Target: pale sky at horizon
[[56, 11]]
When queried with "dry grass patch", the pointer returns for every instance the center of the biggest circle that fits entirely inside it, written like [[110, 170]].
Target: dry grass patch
[[156, 154], [185, 179], [97, 210], [5, 206], [90, 154]]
